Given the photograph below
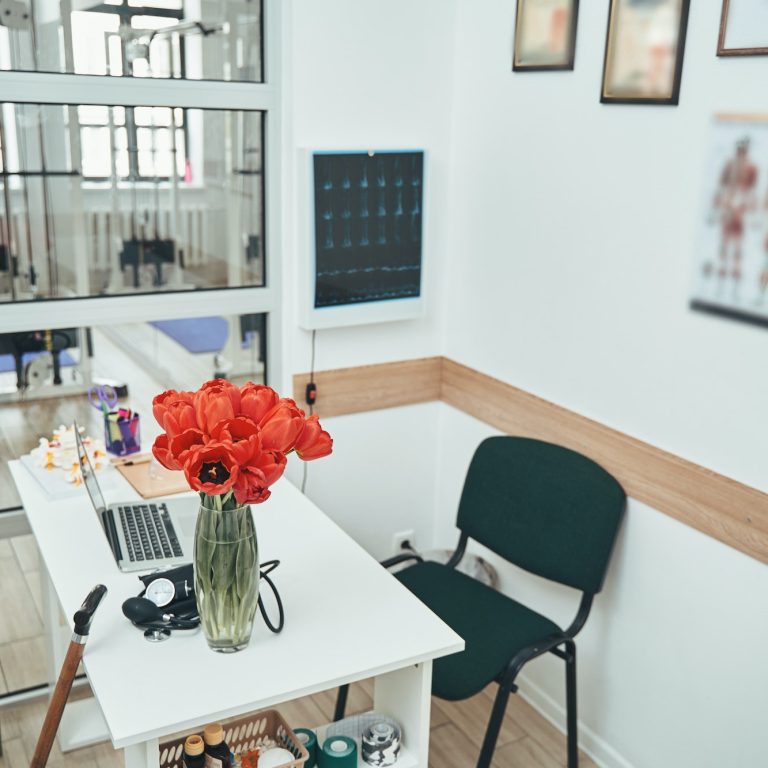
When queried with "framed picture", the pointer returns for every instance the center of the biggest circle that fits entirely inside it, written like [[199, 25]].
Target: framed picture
[[730, 267], [545, 35], [644, 51], [743, 28]]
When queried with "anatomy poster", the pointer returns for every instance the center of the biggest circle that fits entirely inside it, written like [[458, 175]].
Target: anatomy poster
[[731, 261]]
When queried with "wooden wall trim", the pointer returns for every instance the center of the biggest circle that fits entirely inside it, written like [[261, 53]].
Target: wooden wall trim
[[718, 506], [372, 387], [713, 504]]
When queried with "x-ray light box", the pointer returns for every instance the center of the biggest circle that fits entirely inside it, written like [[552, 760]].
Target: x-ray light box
[[366, 211]]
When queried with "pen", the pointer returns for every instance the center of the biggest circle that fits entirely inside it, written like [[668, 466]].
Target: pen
[[130, 462]]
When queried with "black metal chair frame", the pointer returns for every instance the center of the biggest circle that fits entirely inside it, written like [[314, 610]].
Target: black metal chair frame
[[506, 680]]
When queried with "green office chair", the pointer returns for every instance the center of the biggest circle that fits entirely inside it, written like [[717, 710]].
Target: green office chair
[[546, 509]]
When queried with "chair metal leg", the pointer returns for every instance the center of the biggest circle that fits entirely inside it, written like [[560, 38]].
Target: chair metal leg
[[570, 698], [494, 726], [341, 702]]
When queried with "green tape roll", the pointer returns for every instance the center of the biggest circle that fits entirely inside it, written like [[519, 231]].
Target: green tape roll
[[309, 740], [338, 752]]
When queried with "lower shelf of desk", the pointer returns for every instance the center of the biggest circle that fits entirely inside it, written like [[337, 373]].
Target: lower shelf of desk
[[407, 759], [82, 725]]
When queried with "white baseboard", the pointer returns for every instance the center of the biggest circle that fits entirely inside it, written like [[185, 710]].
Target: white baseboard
[[597, 748]]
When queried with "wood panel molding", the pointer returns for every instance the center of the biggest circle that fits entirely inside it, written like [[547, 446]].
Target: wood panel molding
[[718, 506], [372, 387]]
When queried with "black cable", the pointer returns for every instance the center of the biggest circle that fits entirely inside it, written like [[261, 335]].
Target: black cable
[[267, 568], [311, 405], [312, 369]]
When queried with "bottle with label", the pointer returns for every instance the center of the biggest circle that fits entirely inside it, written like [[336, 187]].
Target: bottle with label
[[216, 749], [194, 752]]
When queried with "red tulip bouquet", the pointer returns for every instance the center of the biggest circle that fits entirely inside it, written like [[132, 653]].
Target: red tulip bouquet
[[232, 444]]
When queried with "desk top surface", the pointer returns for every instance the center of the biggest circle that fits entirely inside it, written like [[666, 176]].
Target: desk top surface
[[346, 617]]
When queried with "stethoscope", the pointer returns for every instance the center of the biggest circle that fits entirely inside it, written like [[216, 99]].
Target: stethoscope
[[158, 623]]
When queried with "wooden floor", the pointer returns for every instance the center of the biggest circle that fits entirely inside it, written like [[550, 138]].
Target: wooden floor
[[527, 740]]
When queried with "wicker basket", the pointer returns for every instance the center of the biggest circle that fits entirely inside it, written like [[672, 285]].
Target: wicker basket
[[261, 729]]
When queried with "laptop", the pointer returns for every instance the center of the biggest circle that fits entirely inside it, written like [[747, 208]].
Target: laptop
[[142, 535]]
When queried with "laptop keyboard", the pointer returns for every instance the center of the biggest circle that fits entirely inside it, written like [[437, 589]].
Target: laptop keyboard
[[149, 532]]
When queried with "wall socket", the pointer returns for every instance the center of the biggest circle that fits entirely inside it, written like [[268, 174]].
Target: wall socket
[[400, 538]]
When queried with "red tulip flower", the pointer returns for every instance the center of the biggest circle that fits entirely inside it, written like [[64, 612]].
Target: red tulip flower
[[161, 402], [251, 487], [179, 416], [211, 469], [216, 401], [281, 427], [244, 435], [161, 452], [314, 442], [181, 444], [232, 441], [257, 400]]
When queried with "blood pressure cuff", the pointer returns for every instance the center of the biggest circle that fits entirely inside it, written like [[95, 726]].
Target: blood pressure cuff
[[182, 578]]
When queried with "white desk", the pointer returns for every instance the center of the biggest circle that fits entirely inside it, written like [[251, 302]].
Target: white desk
[[346, 619]]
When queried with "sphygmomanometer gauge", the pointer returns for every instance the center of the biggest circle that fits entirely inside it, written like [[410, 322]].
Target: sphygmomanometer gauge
[[161, 592]]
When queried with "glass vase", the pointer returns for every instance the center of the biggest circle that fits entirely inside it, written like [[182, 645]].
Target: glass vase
[[226, 574]]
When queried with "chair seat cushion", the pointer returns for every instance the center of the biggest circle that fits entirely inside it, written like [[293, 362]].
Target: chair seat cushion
[[494, 627]]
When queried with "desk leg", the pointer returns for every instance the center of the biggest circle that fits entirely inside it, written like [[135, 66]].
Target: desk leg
[[82, 723], [406, 696], [55, 644], [144, 755]]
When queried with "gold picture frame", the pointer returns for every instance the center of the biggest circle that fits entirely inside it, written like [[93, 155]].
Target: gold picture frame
[[545, 35]]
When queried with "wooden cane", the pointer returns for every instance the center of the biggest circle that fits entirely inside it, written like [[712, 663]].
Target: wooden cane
[[82, 619]]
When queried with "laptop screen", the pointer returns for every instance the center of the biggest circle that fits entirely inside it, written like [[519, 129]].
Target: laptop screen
[[89, 476]]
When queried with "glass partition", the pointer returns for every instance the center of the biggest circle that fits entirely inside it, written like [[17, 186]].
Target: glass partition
[[45, 374], [108, 200], [145, 358], [182, 39]]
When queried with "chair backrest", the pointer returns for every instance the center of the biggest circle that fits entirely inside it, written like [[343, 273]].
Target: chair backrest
[[544, 508]]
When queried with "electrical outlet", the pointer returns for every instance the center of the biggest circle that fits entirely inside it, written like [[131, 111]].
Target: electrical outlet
[[399, 539]]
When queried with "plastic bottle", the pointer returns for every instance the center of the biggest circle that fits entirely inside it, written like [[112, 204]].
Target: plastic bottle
[[194, 750], [216, 749]]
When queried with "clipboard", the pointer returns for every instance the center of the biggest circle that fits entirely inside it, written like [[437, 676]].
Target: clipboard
[[161, 482]]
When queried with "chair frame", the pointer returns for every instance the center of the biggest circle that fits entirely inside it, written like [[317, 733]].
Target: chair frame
[[506, 680]]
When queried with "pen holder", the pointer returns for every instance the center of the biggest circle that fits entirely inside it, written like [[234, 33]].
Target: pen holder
[[121, 435]]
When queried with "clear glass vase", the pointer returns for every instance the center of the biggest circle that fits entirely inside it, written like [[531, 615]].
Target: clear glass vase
[[226, 574]]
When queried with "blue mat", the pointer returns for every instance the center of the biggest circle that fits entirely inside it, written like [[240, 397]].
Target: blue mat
[[8, 366], [196, 334]]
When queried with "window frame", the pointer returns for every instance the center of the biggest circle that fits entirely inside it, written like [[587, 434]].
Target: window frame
[[53, 88]]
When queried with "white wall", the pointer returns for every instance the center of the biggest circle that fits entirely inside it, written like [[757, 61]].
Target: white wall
[[362, 73], [572, 226], [371, 74], [559, 247], [378, 482]]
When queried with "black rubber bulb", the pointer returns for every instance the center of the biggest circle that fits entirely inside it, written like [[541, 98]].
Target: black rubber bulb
[[141, 610]]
